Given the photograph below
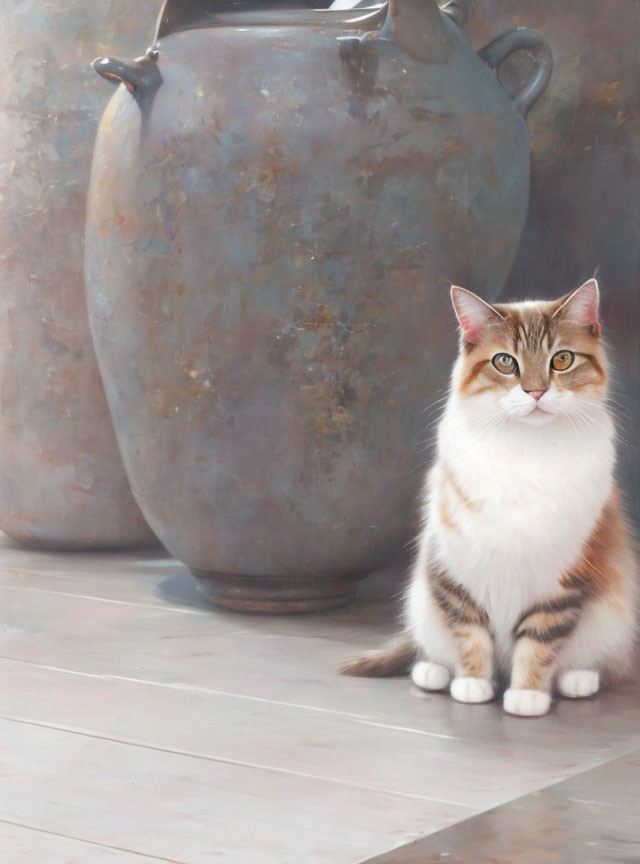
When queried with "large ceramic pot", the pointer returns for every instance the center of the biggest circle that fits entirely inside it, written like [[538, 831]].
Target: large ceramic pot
[[279, 201], [62, 483]]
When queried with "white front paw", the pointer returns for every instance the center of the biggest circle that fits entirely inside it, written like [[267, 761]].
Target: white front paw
[[472, 690], [430, 676], [526, 703], [579, 683]]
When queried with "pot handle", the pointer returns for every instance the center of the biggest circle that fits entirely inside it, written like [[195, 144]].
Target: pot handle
[[140, 77], [518, 39]]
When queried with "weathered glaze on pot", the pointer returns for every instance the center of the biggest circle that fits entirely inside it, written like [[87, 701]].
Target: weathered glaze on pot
[[62, 483], [273, 226]]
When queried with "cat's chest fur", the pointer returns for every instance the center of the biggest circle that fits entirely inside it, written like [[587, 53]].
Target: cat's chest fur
[[509, 513]]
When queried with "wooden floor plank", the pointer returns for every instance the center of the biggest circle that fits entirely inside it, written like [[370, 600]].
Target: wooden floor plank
[[189, 809]]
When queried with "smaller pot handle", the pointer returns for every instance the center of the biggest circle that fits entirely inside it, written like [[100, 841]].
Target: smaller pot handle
[[141, 77], [521, 38]]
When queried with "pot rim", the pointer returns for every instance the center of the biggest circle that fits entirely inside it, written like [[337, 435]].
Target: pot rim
[[177, 17]]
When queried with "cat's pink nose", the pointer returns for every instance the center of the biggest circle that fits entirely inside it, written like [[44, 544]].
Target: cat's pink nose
[[536, 393]]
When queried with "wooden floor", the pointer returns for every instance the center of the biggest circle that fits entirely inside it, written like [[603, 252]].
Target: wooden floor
[[138, 725]]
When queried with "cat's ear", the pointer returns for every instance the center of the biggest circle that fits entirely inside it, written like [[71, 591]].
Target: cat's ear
[[473, 313], [581, 307]]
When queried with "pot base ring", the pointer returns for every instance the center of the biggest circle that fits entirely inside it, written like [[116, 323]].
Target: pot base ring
[[273, 595]]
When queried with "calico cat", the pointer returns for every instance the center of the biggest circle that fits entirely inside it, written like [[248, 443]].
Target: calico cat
[[525, 563]]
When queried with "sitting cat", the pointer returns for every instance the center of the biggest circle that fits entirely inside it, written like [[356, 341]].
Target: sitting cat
[[524, 562]]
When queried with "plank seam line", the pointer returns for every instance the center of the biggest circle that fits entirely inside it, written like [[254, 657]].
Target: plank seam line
[[88, 842]]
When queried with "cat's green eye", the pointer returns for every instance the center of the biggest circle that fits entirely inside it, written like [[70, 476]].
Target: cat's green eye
[[505, 363], [562, 360]]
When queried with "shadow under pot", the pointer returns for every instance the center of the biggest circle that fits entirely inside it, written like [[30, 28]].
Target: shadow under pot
[[280, 199]]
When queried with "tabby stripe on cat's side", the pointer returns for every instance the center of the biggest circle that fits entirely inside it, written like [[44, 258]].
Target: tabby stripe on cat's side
[[540, 634], [455, 601], [551, 620], [453, 483], [467, 621], [594, 576]]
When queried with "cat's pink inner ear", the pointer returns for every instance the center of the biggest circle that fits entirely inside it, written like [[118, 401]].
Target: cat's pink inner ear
[[581, 306], [472, 312]]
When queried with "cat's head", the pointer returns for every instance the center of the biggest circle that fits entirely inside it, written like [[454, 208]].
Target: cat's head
[[532, 362]]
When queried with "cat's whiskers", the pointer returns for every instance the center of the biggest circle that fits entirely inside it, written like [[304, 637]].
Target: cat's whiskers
[[493, 422], [619, 406], [436, 402], [425, 444], [591, 417], [605, 404], [434, 422], [614, 409], [589, 414], [420, 466], [566, 415], [431, 430]]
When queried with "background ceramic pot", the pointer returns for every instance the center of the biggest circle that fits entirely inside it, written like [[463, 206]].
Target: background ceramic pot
[[585, 163], [62, 483], [276, 214]]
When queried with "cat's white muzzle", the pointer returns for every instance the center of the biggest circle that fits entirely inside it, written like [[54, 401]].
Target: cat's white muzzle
[[525, 409], [537, 415]]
